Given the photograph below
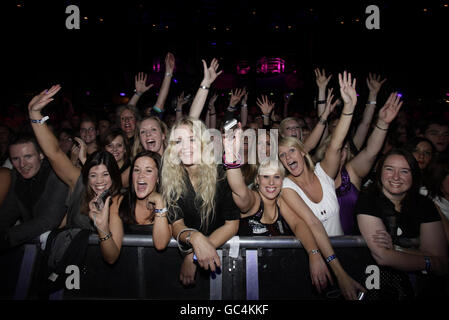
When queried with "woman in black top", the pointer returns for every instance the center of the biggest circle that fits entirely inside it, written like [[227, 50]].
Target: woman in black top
[[394, 207]]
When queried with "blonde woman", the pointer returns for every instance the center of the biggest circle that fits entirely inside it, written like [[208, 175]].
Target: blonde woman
[[198, 197], [150, 135]]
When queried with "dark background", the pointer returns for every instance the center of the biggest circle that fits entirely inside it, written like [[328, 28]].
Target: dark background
[[101, 58]]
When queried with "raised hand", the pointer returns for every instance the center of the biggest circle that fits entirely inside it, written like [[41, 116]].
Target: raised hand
[[210, 73], [390, 109], [169, 63], [321, 79], [374, 83], [236, 96], [42, 99], [140, 83], [82, 155], [181, 100], [330, 106], [347, 89], [265, 105], [232, 142], [212, 100]]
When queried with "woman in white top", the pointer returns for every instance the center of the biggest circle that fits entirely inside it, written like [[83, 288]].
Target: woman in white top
[[312, 187], [315, 184]]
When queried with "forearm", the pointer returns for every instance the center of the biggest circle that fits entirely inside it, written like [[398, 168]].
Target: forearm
[[224, 233], [363, 127], [163, 92], [134, 99], [244, 115], [342, 127], [161, 233], [316, 134], [199, 100], [46, 139], [321, 97]]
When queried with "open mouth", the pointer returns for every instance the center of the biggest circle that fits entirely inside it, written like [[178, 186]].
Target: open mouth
[[141, 186], [293, 165], [151, 144], [271, 189]]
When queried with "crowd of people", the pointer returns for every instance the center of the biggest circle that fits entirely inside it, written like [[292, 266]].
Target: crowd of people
[[203, 175]]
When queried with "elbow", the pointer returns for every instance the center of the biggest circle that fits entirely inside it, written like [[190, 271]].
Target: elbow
[[111, 259], [161, 244]]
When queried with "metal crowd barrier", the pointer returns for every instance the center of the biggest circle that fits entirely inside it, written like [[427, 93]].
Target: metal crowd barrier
[[265, 268]]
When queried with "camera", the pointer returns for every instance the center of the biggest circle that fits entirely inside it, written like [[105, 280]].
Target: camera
[[99, 204]]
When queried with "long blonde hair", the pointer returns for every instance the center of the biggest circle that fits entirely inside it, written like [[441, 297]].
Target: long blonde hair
[[174, 174]]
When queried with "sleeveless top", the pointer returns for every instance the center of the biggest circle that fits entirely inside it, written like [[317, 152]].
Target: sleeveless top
[[327, 210], [347, 195], [252, 226]]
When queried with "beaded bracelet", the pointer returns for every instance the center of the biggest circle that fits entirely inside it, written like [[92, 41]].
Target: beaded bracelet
[[232, 165], [330, 258]]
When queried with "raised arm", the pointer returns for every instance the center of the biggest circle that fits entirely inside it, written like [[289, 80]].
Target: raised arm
[[180, 102], [321, 82], [244, 110], [317, 133], [243, 197], [140, 81], [361, 164], [59, 161], [210, 74], [374, 83], [331, 161], [211, 114], [165, 87], [266, 107]]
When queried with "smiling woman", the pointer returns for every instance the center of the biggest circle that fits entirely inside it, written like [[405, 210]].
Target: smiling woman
[[394, 211]]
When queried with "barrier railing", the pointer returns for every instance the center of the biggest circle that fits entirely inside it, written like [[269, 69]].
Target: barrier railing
[[265, 268]]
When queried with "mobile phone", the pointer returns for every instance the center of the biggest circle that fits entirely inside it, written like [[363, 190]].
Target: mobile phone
[[361, 296], [99, 204], [230, 124]]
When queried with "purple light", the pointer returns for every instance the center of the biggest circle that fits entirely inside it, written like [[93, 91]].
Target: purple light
[[447, 94], [87, 93], [399, 95], [122, 94], [213, 43], [175, 81]]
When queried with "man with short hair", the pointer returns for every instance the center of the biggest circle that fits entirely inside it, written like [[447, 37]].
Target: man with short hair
[[437, 131], [36, 197]]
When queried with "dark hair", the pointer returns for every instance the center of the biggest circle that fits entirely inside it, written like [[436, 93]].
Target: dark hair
[[114, 133], [25, 138], [95, 159], [410, 198], [434, 120], [438, 171], [127, 209], [88, 118], [411, 145]]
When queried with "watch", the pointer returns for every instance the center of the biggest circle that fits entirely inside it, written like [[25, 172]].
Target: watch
[[41, 121]]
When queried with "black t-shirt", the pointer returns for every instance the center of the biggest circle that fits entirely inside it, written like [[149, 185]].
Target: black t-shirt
[[409, 222], [225, 208]]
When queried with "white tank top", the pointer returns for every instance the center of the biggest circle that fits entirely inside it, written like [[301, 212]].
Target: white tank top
[[328, 209]]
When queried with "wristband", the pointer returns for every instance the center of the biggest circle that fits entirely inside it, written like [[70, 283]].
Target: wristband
[[41, 121], [321, 101], [204, 87], [161, 213], [381, 128], [179, 244], [232, 109], [155, 108], [168, 74], [330, 258], [371, 102], [244, 105], [322, 121], [137, 93], [265, 116], [347, 114], [314, 251], [109, 235]]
